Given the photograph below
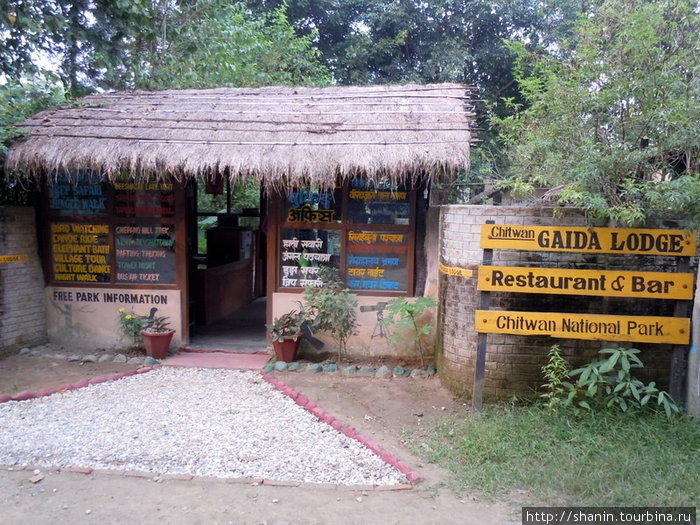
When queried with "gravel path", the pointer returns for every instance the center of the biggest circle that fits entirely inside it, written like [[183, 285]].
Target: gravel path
[[203, 422]]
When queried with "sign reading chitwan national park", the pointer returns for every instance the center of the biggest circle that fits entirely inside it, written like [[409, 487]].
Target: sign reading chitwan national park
[[594, 327], [588, 240]]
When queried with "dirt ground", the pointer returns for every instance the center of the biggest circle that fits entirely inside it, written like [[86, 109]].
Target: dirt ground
[[385, 409]]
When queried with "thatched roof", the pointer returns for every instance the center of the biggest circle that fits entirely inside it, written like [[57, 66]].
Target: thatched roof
[[277, 134]]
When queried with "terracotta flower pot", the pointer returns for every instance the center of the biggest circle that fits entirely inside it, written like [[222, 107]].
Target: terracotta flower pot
[[286, 350], [157, 343]]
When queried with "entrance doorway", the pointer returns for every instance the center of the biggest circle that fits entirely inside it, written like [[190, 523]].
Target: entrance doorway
[[227, 303]]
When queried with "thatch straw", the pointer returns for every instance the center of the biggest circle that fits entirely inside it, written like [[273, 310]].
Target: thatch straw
[[278, 135]]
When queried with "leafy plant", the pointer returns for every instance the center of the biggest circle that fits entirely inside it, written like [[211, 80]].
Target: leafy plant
[[607, 383], [287, 326], [556, 372], [402, 315], [132, 324], [158, 325], [331, 308]]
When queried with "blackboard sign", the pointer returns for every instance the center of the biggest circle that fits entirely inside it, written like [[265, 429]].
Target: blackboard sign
[[145, 254], [304, 252], [154, 199], [377, 261], [78, 194], [309, 205], [380, 204], [80, 252]]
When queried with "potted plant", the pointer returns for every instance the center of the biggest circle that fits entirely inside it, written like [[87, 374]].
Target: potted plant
[[332, 308], [156, 336], [285, 332]]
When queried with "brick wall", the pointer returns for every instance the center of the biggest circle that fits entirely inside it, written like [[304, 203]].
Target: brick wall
[[22, 304], [513, 363]]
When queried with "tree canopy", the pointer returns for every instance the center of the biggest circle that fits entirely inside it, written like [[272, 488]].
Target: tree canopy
[[610, 121]]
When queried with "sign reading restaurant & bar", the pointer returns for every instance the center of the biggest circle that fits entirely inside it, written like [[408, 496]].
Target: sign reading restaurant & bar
[[589, 240], [605, 283]]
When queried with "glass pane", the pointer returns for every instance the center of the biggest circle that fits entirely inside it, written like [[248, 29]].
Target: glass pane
[[385, 204], [155, 199], [80, 253], [78, 194], [145, 253], [377, 261], [309, 205], [304, 252]]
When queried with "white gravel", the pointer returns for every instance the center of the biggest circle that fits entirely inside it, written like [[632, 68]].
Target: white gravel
[[203, 422]]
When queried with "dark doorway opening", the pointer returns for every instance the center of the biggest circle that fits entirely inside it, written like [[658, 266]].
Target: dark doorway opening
[[226, 247]]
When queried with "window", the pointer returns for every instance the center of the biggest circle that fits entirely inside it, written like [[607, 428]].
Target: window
[[103, 233], [365, 231]]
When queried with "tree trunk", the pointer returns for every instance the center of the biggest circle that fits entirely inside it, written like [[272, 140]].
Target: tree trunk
[[692, 401]]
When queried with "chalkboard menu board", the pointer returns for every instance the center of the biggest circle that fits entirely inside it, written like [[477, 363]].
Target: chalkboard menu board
[[377, 261], [145, 254], [304, 252], [80, 252], [385, 204], [78, 194], [308, 205], [155, 199]]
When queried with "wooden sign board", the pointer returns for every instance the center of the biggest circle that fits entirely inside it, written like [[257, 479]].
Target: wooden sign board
[[605, 283], [592, 327], [589, 240]]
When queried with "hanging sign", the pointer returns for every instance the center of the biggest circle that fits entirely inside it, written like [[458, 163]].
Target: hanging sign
[[589, 240], [596, 327], [606, 283]]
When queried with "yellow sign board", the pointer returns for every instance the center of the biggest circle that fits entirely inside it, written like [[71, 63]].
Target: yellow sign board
[[451, 270], [13, 258], [593, 327], [589, 240], [605, 283]]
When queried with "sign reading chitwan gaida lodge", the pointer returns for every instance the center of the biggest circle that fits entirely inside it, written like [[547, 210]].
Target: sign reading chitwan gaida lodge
[[608, 283], [587, 240]]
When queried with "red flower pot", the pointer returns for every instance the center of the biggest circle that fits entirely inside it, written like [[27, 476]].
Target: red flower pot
[[157, 343], [286, 350]]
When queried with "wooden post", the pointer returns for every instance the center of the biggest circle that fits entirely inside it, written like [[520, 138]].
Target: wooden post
[[675, 386], [480, 365], [692, 393]]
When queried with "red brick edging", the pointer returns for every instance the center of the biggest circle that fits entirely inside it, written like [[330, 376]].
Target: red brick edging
[[26, 394], [300, 399]]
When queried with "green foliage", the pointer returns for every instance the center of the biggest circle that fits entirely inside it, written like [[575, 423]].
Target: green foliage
[[608, 383], [556, 372], [138, 43], [287, 326], [217, 43], [590, 459], [331, 308], [131, 325], [609, 121], [403, 315], [18, 101]]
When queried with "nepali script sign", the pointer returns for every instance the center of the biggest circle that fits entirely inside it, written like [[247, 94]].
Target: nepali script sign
[[597, 327], [605, 283], [589, 240]]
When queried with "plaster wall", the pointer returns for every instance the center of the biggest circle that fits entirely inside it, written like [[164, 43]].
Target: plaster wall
[[372, 340], [90, 315]]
